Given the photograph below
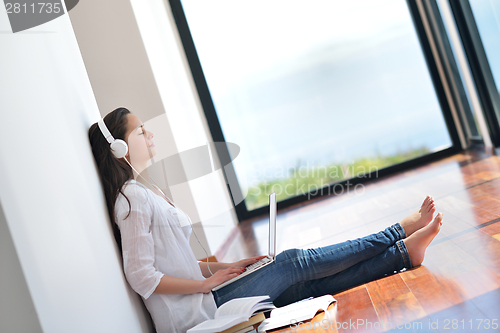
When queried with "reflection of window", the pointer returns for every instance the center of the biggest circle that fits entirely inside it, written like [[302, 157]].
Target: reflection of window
[[487, 15], [470, 118], [331, 88]]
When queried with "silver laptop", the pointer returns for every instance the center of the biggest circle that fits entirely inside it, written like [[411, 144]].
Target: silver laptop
[[272, 246]]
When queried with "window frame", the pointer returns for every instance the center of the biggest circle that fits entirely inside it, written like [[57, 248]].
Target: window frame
[[223, 153]]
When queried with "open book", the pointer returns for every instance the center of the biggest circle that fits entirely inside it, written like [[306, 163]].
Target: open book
[[232, 313], [296, 312]]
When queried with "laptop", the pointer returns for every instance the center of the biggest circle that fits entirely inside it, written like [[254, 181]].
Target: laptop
[[272, 246]]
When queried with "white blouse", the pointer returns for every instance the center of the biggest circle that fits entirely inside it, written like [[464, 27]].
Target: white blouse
[[155, 241]]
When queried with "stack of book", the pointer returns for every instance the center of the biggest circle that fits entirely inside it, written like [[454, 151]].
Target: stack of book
[[249, 326], [239, 315]]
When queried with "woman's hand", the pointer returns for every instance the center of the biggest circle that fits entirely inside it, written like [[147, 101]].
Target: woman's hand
[[219, 277], [222, 275], [245, 262]]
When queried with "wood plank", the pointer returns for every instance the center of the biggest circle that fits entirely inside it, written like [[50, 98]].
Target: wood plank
[[353, 305], [460, 276], [450, 259], [462, 315], [393, 301], [435, 292], [477, 282], [485, 249]]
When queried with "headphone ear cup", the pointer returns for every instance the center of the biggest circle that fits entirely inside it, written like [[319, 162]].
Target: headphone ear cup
[[119, 148]]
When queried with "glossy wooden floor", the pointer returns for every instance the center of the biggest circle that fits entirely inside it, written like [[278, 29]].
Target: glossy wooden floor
[[457, 286]]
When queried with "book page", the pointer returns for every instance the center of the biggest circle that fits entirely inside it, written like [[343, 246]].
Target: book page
[[303, 310], [296, 312], [239, 306], [217, 324]]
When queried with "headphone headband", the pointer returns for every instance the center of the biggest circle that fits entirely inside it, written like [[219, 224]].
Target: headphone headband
[[119, 148], [105, 131]]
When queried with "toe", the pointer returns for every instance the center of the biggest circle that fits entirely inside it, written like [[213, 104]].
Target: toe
[[432, 208], [439, 218]]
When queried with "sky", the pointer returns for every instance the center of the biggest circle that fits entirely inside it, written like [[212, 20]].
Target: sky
[[316, 81]]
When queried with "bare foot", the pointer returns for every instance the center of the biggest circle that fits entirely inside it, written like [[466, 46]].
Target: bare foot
[[418, 242], [420, 218]]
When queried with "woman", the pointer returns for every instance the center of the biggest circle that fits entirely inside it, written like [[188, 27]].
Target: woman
[[159, 264]]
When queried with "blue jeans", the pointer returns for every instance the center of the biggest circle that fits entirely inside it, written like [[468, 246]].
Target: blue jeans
[[297, 274]]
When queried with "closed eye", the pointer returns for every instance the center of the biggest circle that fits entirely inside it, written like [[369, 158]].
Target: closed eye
[[141, 129]]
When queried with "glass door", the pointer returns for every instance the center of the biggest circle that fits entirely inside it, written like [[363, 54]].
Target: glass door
[[315, 93]]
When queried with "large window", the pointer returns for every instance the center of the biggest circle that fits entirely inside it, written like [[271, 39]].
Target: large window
[[315, 92]]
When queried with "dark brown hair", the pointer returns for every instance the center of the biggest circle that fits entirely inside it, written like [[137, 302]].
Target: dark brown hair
[[113, 172]]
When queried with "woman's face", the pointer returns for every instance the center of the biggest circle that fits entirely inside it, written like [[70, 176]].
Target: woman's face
[[141, 147]]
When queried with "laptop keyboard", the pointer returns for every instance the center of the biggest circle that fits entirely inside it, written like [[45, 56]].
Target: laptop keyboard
[[258, 264], [249, 269]]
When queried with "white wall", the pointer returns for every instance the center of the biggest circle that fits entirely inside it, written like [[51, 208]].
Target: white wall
[[17, 312], [134, 59], [50, 193]]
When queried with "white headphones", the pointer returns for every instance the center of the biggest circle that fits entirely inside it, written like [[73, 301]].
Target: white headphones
[[119, 148]]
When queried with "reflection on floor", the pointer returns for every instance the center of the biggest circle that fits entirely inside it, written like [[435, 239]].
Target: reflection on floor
[[458, 285]]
